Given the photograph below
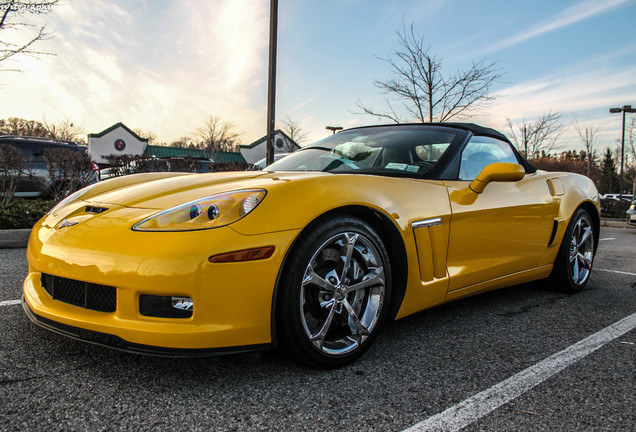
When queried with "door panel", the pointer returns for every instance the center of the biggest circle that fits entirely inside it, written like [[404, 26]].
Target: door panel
[[504, 230]]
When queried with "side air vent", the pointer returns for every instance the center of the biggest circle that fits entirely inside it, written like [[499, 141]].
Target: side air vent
[[96, 210], [555, 226]]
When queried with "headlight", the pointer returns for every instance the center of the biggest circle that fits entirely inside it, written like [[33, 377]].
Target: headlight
[[210, 212]]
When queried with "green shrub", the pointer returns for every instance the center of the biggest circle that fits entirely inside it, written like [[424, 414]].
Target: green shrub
[[24, 213]]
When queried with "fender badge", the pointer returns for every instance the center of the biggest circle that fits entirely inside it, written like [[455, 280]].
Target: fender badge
[[66, 223]]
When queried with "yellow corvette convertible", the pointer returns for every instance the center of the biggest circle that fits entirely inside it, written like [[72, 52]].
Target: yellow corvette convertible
[[312, 255]]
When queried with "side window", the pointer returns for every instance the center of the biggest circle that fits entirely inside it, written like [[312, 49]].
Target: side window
[[482, 151], [38, 152], [26, 149]]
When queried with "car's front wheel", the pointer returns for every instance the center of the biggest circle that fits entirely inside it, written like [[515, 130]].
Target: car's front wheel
[[334, 293]]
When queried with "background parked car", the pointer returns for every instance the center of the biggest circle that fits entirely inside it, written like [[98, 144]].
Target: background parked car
[[611, 206], [631, 214], [35, 180]]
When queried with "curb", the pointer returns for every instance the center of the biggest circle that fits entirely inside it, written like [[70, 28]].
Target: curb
[[616, 223], [14, 238]]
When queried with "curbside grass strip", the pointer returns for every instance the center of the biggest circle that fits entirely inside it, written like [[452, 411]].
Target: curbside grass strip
[[14, 239]]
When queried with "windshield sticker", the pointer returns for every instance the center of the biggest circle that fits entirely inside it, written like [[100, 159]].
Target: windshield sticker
[[396, 166], [402, 167]]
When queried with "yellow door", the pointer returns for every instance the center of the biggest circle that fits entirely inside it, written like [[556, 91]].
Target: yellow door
[[503, 230], [507, 229]]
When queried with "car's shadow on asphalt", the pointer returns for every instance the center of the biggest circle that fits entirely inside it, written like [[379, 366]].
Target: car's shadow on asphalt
[[423, 334], [430, 359]]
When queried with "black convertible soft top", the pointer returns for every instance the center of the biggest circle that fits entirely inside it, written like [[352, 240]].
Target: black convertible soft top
[[472, 127], [475, 129]]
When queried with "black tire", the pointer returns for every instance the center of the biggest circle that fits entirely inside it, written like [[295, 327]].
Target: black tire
[[573, 264], [334, 293]]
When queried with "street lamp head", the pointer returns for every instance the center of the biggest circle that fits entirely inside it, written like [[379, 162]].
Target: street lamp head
[[625, 108]]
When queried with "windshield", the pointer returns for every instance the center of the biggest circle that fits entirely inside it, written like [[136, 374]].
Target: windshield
[[410, 151]]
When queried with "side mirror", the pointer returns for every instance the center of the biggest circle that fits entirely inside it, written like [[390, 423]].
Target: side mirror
[[499, 172]]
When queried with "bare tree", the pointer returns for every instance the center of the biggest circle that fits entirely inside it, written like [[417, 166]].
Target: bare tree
[[149, 135], [18, 126], [217, 136], [10, 171], [630, 137], [9, 10], [537, 139], [69, 170], [293, 129], [64, 130], [424, 92], [589, 137], [182, 142]]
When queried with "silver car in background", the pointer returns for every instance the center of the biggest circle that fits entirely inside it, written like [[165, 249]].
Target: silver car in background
[[631, 214]]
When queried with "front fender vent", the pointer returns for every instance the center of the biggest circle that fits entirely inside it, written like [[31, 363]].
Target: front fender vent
[[555, 227]]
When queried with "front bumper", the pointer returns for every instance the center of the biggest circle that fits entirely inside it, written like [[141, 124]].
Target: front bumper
[[631, 217], [115, 342], [232, 301]]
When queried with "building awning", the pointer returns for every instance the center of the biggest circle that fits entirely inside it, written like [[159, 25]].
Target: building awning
[[164, 151]]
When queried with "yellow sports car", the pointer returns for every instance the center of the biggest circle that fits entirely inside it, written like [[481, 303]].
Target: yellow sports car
[[312, 255]]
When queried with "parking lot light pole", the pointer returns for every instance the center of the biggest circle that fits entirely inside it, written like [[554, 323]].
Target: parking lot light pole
[[624, 109], [271, 82], [334, 129]]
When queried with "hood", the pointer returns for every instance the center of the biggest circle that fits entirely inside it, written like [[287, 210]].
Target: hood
[[165, 192]]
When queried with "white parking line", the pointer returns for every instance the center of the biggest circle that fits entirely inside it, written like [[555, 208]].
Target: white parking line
[[472, 409], [10, 302], [615, 271], [605, 239]]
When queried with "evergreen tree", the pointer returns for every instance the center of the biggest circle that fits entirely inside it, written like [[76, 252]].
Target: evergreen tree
[[608, 168]]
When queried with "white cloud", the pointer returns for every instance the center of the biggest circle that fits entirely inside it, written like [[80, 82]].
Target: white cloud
[[571, 15], [160, 66], [583, 92]]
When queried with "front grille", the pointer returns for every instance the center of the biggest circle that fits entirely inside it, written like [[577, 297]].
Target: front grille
[[96, 297]]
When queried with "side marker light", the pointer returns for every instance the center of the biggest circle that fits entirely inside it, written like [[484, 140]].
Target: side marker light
[[243, 255]]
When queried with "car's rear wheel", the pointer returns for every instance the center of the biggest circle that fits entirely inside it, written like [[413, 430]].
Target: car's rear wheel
[[334, 293], [573, 265]]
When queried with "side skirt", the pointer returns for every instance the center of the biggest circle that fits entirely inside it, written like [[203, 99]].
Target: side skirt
[[501, 282]]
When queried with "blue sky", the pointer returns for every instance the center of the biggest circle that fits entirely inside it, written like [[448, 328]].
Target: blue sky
[[167, 65]]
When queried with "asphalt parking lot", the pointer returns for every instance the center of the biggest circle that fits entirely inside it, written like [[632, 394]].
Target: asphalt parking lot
[[482, 364]]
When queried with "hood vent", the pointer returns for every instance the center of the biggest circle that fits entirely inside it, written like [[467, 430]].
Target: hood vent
[[95, 210]]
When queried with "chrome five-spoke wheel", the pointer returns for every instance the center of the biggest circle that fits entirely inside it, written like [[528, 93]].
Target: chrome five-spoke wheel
[[335, 295], [342, 293], [581, 251]]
